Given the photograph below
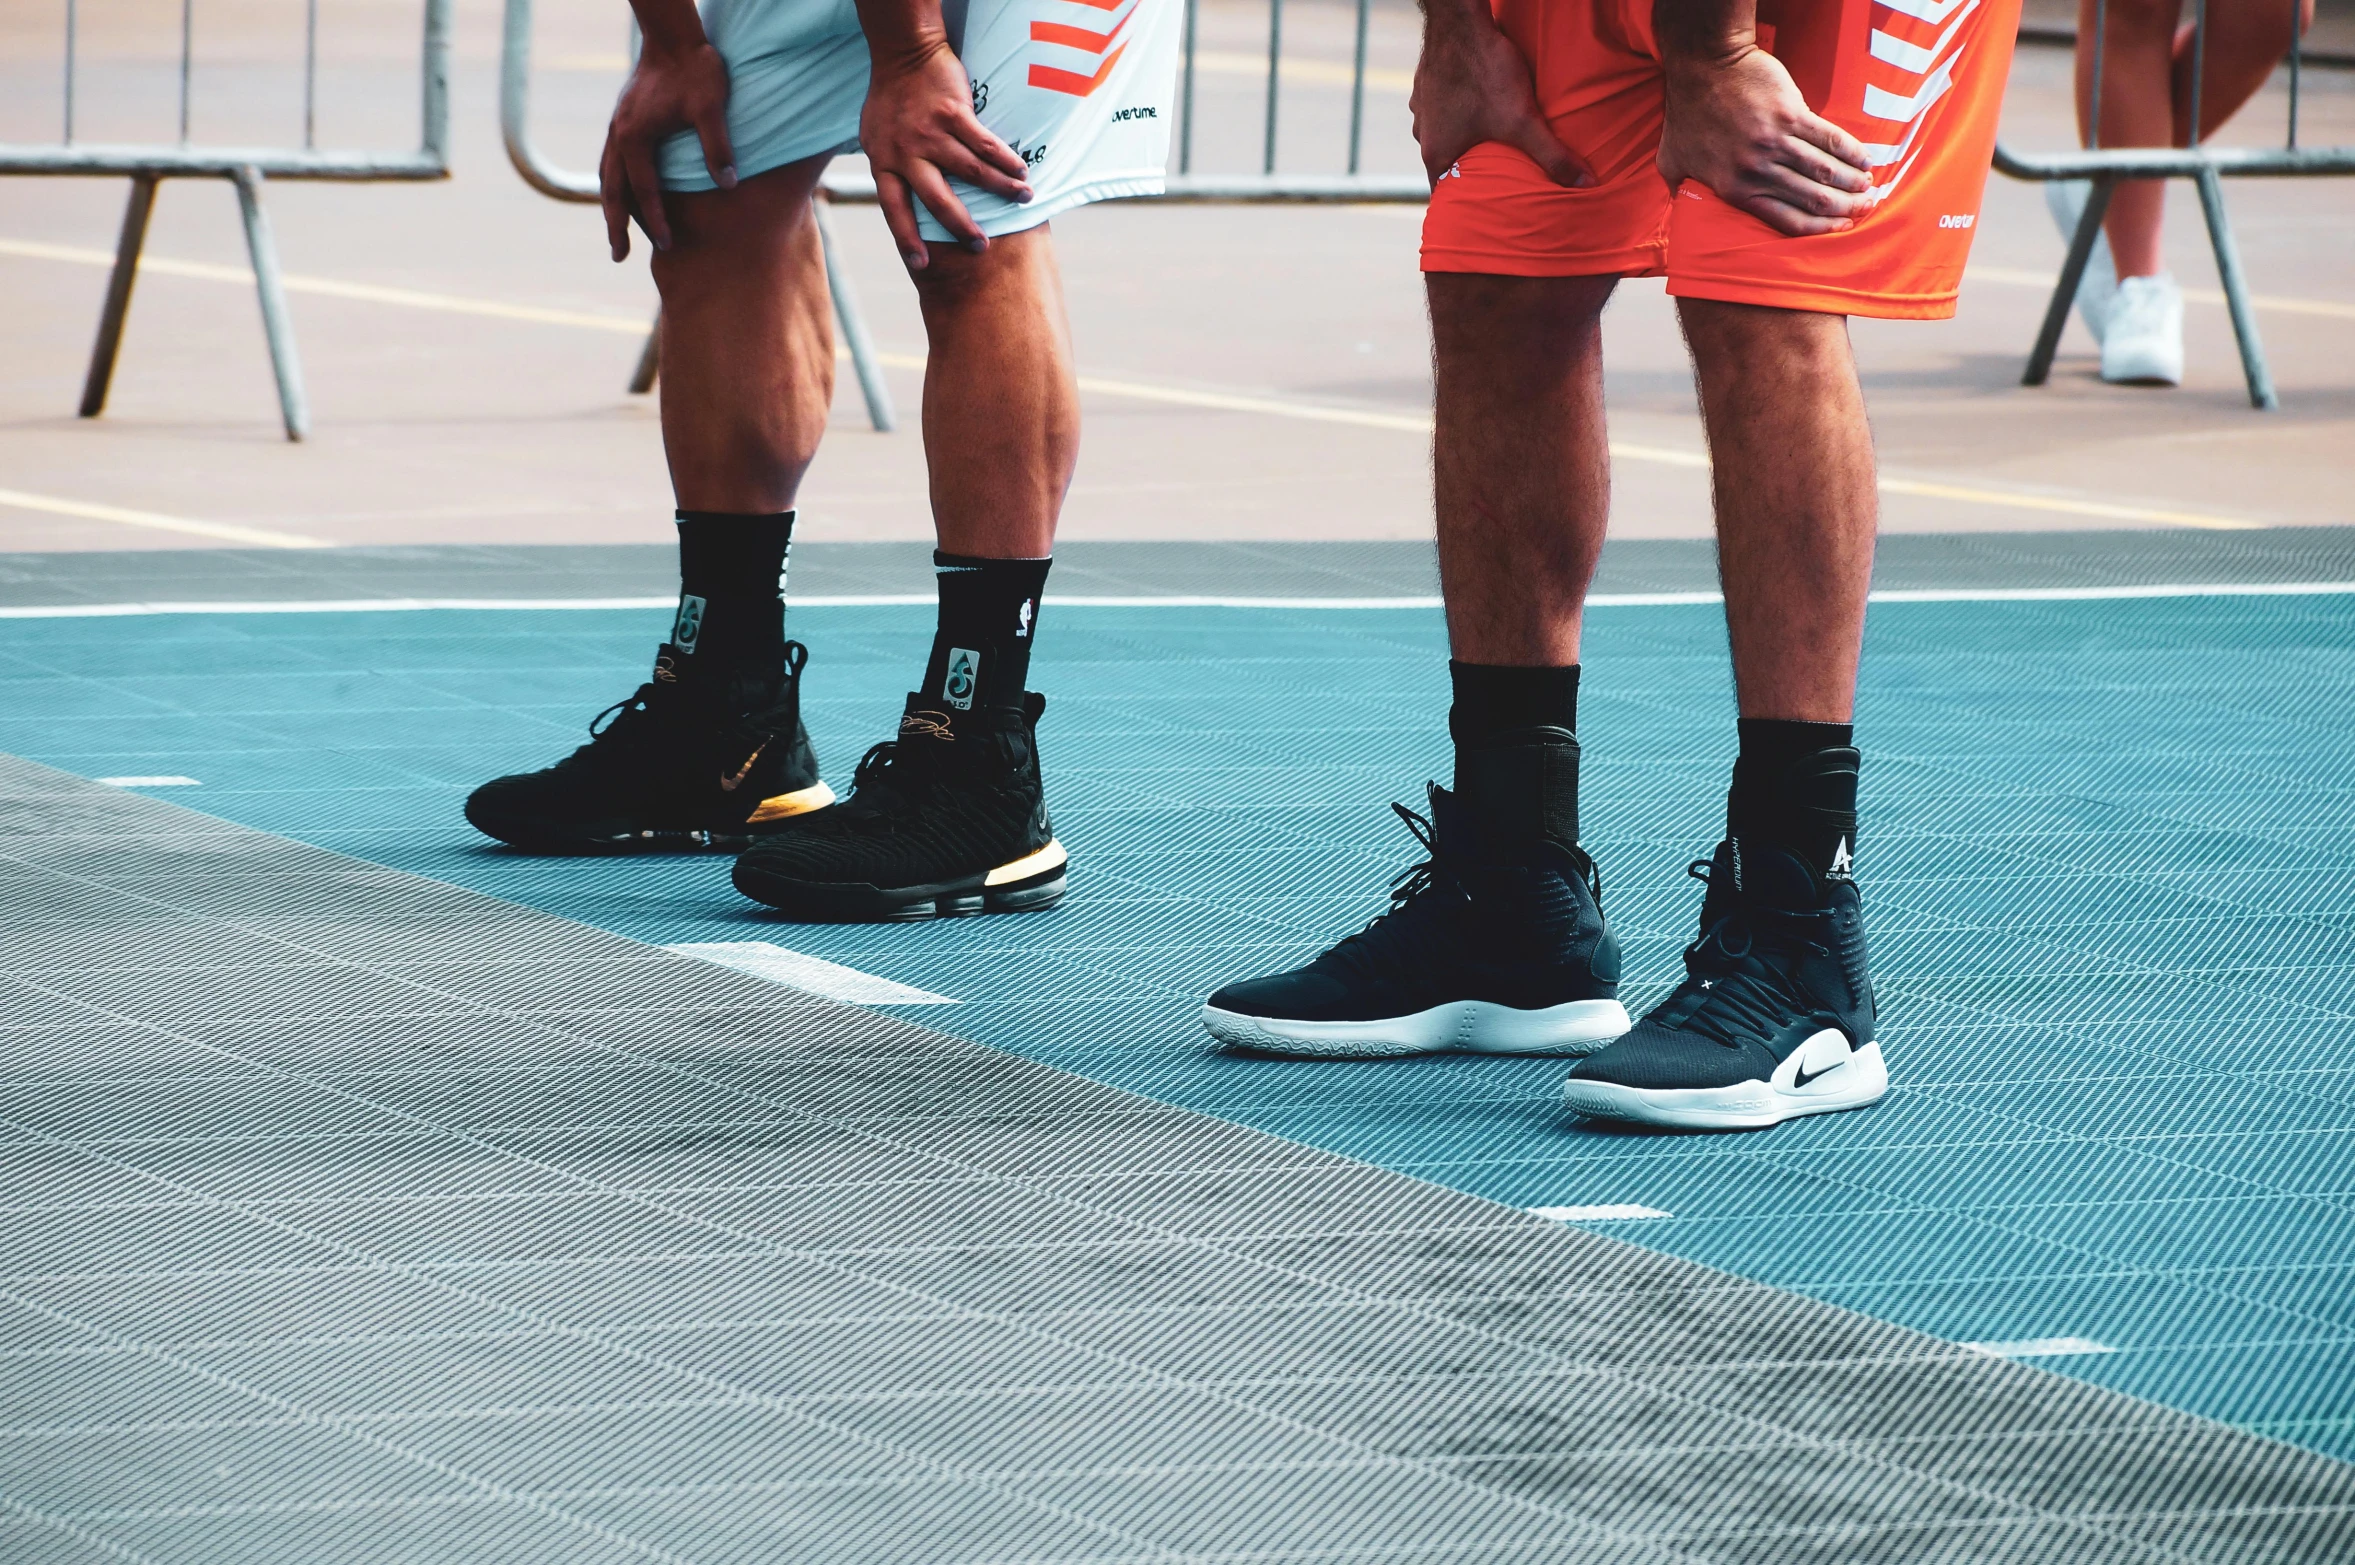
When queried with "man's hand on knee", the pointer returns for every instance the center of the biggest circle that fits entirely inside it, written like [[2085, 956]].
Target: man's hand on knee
[[919, 129], [1737, 124], [680, 83], [1471, 86]]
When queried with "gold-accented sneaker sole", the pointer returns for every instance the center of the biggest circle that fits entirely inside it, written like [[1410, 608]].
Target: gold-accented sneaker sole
[[800, 801], [1049, 857]]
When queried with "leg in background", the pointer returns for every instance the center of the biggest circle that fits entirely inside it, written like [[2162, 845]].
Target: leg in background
[[2137, 110], [2246, 40]]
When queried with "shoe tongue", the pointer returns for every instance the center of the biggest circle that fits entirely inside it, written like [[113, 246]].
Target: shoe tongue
[[921, 723], [673, 664]]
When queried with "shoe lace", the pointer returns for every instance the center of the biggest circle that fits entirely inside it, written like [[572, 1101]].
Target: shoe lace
[[612, 731], [1735, 992], [1369, 947], [887, 777]]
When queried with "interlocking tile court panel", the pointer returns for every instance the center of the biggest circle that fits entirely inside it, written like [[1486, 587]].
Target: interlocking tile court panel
[[1371, 568], [2106, 867], [354, 1216]]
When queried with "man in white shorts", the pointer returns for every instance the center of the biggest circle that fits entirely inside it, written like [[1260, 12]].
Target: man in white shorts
[[982, 120]]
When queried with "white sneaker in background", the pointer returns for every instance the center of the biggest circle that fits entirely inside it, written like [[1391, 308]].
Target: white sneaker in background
[[2144, 345], [2097, 291]]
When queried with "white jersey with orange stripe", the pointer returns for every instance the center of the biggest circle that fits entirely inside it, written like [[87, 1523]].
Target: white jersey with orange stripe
[[1082, 89]]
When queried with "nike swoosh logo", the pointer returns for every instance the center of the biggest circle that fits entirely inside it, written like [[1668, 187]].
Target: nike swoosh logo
[[731, 784], [1805, 1075]]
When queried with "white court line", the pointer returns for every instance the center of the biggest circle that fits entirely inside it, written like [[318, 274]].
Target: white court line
[[149, 782], [2041, 1348], [810, 974], [1596, 1214], [1143, 391], [227, 532], [1600, 600]]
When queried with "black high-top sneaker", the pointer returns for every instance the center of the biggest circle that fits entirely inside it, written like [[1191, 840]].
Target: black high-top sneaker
[[1478, 952], [1773, 1020], [946, 820], [694, 760]]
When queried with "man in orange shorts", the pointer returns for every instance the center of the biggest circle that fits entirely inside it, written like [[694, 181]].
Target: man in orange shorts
[[1785, 164]]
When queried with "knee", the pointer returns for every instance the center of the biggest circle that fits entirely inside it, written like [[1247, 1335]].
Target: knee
[[956, 279]]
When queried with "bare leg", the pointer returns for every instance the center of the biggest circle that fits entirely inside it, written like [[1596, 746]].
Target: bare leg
[[747, 342], [2246, 40], [1001, 405], [1797, 506], [2136, 111], [1521, 461]]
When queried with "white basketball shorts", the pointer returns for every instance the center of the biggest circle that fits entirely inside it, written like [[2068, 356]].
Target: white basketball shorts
[[1082, 89]]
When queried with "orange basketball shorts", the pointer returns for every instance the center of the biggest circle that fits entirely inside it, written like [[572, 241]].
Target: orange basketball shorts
[[1919, 82]]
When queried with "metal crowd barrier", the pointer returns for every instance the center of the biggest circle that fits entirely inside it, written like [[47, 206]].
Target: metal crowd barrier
[[2206, 166], [1267, 186], [244, 167]]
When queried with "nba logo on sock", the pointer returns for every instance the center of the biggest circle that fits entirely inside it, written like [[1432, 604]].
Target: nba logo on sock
[[689, 624], [956, 686]]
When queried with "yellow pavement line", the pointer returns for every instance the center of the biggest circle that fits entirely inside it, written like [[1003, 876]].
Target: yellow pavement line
[[157, 521], [1666, 456], [2020, 501], [2014, 277], [328, 287], [1143, 391]]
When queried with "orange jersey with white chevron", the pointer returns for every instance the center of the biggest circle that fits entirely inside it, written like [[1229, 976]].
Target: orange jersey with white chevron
[[1919, 82], [1082, 89]]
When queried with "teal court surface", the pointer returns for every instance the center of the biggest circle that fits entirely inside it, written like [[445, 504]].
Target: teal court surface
[[439, 1227]]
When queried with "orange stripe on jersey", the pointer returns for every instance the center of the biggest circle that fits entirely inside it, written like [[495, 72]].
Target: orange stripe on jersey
[[1072, 82], [1077, 37]]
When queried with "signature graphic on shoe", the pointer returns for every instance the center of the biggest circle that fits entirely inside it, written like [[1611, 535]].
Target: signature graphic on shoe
[[731, 784]]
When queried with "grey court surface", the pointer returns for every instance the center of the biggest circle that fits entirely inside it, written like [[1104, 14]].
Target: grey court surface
[[354, 1216]]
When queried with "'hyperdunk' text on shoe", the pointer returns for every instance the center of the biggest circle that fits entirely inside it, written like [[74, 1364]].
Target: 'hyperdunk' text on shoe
[[1773, 1020], [1503, 955], [948, 819], [699, 757]]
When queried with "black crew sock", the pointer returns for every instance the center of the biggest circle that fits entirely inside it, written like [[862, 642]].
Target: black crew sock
[[1492, 697], [1516, 744], [988, 616], [1795, 789], [732, 592]]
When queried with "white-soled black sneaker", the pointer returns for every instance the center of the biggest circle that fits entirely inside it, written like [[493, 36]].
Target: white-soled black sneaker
[[1472, 956], [1774, 1019]]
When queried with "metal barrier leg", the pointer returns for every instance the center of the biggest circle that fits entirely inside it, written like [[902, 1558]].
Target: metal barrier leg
[[2236, 291], [649, 360], [2064, 293], [276, 325], [118, 294], [854, 328]]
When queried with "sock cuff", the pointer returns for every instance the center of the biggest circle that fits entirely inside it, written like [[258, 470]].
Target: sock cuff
[[1493, 698], [1776, 742], [778, 518]]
